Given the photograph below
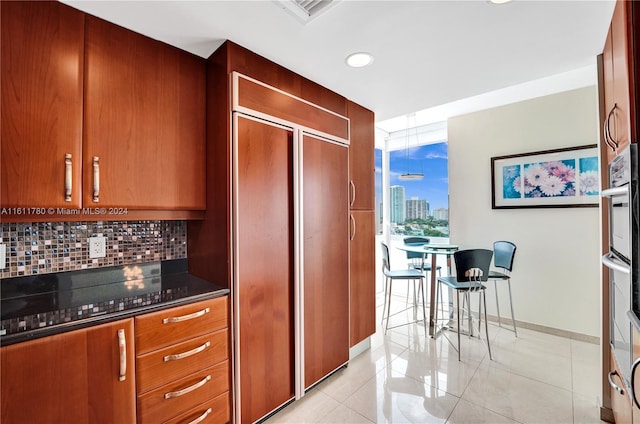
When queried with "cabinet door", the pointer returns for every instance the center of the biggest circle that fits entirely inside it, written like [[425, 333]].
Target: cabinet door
[[635, 369], [361, 161], [325, 213], [362, 281], [620, 399], [42, 45], [73, 377], [608, 91], [621, 119], [263, 266], [144, 121]]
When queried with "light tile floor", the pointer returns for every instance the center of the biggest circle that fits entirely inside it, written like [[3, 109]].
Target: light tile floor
[[408, 378]]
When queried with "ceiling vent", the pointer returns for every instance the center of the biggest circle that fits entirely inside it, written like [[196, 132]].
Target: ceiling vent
[[306, 10]]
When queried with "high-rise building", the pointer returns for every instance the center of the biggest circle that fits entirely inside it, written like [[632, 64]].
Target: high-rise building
[[398, 205], [417, 209], [441, 214]]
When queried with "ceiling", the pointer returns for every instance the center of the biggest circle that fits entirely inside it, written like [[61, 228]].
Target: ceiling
[[427, 53]]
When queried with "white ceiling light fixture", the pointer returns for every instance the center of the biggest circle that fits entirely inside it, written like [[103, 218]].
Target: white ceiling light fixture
[[499, 1], [359, 59], [411, 176]]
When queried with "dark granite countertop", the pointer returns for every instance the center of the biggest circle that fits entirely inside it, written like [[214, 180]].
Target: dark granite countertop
[[43, 305]]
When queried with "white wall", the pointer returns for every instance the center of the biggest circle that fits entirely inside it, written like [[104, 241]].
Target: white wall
[[556, 280]]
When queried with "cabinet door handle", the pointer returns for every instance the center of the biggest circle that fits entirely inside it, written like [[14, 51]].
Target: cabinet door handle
[[122, 343], [68, 177], [353, 192], [614, 385], [605, 132], [96, 179], [186, 390], [633, 378], [353, 225], [201, 417], [186, 354], [614, 143], [173, 320]]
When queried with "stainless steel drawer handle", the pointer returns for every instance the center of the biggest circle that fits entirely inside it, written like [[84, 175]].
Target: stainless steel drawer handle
[[201, 417], [614, 385], [122, 344], [96, 179], [188, 389], [68, 177], [187, 353], [173, 320]]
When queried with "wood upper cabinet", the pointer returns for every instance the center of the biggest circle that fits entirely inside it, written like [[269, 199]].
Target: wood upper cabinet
[[144, 122], [42, 49], [361, 157], [72, 377], [95, 115], [619, 81]]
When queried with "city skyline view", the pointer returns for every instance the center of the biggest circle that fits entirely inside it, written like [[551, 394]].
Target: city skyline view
[[431, 160]]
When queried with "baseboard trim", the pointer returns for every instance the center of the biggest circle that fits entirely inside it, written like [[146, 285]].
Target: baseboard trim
[[359, 348], [606, 414], [507, 324]]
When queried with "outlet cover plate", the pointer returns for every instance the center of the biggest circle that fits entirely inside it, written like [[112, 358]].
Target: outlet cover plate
[[97, 247], [3, 256]]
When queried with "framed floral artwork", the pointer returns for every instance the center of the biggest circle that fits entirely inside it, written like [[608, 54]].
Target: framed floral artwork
[[558, 178]]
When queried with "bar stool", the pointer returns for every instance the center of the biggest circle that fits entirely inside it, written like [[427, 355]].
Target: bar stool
[[503, 254], [405, 275], [472, 268]]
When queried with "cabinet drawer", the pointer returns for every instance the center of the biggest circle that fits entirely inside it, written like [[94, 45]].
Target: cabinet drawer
[[180, 396], [163, 328], [215, 411], [164, 365]]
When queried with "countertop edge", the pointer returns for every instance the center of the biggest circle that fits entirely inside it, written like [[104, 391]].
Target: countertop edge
[[103, 319]]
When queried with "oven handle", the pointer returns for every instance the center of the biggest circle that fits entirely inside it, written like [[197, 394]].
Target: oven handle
[[616, 191], [609, 261]]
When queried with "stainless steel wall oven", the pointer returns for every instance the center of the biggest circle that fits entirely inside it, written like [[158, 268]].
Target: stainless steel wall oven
[[622, 258]]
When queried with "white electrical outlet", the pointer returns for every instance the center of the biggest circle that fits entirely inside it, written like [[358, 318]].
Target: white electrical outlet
[[3, 256], [97, 247]]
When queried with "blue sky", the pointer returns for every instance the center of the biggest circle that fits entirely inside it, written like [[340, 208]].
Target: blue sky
[[431, 160]]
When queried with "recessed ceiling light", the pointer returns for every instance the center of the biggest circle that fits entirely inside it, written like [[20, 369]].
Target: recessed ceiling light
[[360, 59], [499, 1]]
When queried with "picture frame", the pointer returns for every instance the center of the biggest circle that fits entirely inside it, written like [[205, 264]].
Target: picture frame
[[559, 178]]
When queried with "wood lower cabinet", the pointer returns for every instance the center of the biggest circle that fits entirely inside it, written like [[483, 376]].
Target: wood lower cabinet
[[42, 47], [74, 377], [182, 364], [362, 276], [620, 396]]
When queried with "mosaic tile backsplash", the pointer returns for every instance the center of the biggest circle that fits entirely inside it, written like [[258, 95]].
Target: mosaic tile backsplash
[[45, 247]]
